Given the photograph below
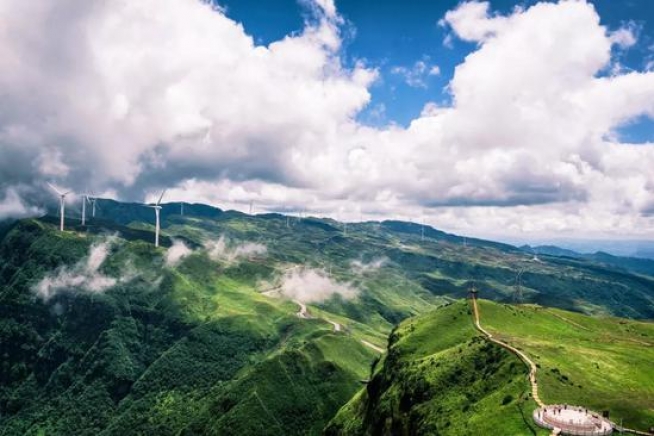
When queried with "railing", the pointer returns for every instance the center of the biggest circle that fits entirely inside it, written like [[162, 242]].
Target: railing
[[571, 429]]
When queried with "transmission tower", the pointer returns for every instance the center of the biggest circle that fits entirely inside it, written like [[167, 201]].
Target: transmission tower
[[472, 291], [517, 294]]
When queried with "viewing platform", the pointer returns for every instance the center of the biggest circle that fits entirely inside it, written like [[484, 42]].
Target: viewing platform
[[572, 420]]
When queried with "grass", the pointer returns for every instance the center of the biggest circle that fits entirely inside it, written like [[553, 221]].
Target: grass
[[169, 350], [441, 377], [600, 363]]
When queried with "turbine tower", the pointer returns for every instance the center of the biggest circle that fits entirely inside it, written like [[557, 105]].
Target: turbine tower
[[86, 198], [62, 202], [92, 199], [157, 212]]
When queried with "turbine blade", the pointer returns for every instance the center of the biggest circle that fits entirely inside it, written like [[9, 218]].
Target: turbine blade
[[53, 188], [161, 197]]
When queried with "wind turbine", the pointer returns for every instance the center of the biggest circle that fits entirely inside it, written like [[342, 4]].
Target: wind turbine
[[157, 212], [92, 199], [85, 198], [62, 202]]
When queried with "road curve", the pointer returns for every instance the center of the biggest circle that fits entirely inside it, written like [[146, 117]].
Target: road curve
[[302, 312], [337, 326]]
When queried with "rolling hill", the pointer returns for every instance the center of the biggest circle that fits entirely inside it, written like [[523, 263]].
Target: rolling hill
[[102, 333], [441, 377]]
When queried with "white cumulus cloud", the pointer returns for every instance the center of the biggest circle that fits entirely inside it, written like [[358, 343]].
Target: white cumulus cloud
[[148, 94]]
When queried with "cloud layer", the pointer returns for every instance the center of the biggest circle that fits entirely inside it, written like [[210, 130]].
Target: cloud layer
[[85, 276], [360, 267], [223, 250], [178, 251], [309, 285], [133, 96]]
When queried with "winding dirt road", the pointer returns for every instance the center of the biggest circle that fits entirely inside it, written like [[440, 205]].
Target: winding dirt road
[[373, 346], [530, 363], [303, 312]]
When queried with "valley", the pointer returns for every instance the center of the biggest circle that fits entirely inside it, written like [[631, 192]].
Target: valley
[[242, 324]]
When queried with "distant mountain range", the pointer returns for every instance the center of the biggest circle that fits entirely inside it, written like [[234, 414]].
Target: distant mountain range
[[633, 264], [624, 248]]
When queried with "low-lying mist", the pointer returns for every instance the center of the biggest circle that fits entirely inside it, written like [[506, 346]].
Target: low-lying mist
[[224, 250], [85, 275], [360, 267], [309, 285], [178, 251]]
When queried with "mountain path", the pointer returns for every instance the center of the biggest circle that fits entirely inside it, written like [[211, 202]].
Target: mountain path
[[530, 363], [532, 370], [302, 312], [373, 346], [569, 321]]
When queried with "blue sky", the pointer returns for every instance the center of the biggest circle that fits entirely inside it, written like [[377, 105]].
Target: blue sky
[[396, 33]]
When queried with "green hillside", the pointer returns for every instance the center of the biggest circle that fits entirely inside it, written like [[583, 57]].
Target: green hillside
[[161, 353], [133, 345], [441, 377], [600, 363]]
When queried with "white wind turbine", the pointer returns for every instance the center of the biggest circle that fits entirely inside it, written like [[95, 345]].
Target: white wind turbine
[[87, 198], [62, 202], [92, 199], [157, 211]]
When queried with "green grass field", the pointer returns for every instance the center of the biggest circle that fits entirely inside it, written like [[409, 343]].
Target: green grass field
[[601, 363], [441, 377], [197, 348]]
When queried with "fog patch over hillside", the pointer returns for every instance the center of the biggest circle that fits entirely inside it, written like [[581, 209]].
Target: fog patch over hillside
[[360, 267], [223, 250], [85, 275], [309, 285], [178, 251]]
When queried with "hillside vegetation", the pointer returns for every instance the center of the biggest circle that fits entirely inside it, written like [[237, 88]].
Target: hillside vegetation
[[441, 377], [600, 363], [101, 333]]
